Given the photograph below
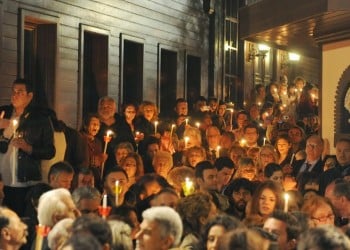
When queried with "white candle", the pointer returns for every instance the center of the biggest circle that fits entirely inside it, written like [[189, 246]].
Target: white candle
[[155, 127], [186, 121], [198, 125], [187, 139], [14, 125], [286, 199], [292, 159], [104, 201], [231, 118], [107, 139], [218, 151], [264, 140], [117, 190]]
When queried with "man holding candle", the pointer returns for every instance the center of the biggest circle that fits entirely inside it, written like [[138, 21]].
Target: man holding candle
[[29, 142], [111, 121], [115, 186], [213, 140]]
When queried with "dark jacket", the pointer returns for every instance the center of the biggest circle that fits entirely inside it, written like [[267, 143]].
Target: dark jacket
[[330, 175], [38, 132], [318, 168]]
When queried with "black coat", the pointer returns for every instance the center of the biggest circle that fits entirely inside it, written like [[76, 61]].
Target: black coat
[[318, 168], [37, 131]]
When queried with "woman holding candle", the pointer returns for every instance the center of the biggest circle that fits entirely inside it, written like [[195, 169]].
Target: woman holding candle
[[96, 158], [129, 114], [147, 119]]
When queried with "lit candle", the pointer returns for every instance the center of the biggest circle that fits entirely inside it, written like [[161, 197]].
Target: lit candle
[[259, 104], [155, 127], [313, 97], [292, 159], [188, 187], [117, 191], [172, 129], [104, 201], [14, 125], [186, 121], [198, 125], [187, 139], [286, 199], [243, 142], [264, 141], [107, 139], [218, 151], [231, 117]]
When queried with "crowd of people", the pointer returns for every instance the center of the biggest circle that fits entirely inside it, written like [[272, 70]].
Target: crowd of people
[[209, 175]]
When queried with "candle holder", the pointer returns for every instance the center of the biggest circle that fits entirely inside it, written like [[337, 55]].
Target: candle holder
[[104, 211], [42, 230]]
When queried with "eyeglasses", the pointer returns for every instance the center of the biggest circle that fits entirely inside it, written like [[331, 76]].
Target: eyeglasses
[[324, 218]]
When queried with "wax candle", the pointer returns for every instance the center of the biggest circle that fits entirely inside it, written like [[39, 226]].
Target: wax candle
[[107, 139], [286, 199], [172, 129], [198, 125], [104, 201], [231, 117], [188, 187], [218, 151], [187, 139], [292, 159], [186, 121], [155, 127], [117, 191], [264, 141], [14, 125]]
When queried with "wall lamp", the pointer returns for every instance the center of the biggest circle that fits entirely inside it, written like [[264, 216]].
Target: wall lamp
[[288, 60], [260, 52]]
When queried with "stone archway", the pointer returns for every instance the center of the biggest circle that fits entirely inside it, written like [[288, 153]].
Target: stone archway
[[342, 106]]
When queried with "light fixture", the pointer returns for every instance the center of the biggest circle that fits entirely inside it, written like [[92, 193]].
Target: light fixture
[[262, 50], [293, 57]]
